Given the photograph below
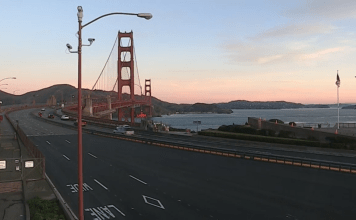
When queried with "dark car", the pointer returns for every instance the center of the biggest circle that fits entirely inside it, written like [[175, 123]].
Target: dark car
[[50, 116]]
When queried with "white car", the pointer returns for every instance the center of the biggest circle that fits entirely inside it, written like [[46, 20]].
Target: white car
[[124, 130], [43, 109], [65, 117]]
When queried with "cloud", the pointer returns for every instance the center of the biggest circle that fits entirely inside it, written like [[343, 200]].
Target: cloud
[[324, 9], [295, 30], [252, 52], [321, 53], [268, 59], [309, 37]]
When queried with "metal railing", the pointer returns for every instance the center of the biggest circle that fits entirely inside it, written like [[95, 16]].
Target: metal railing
[[38, 157], [347, 125]]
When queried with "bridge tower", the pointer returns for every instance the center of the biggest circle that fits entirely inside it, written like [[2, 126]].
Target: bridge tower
[[148, 95], [130, 80]]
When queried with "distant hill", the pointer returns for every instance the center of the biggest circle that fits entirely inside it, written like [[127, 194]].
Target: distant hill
[[243, 104], [165, 108], [349, 107], [68, 94]]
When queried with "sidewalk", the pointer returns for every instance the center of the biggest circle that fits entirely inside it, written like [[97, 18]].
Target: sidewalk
[[12, 204], [15, 189]]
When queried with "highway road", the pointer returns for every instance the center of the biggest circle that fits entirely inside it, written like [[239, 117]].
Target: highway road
[[240, 145], [129, 180]]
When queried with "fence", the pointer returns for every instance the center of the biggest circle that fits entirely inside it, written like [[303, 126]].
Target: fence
[[37, 157], [347, 125]]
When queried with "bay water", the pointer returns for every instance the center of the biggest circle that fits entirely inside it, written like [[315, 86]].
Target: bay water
[[326, 117]]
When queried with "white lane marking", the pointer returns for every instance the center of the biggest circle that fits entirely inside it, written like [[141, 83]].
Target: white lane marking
[[100, 184], [156, 200], [116, 209], [66, 157], [68, 141], [92, 155], [48, 142], [137, 179]]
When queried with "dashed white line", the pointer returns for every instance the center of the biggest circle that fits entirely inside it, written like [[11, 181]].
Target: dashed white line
[[48, 142], [92, 155], [100, 184], [68, 141], [66, 157], [137, 179]]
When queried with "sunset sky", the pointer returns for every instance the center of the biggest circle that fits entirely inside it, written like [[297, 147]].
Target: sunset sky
[[193, 51]]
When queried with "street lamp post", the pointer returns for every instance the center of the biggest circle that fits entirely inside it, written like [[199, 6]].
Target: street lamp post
[[147, 16]]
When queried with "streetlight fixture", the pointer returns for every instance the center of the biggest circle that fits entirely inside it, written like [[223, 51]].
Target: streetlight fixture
[[146, 16]]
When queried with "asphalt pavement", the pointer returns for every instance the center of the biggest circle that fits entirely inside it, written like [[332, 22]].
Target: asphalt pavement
[[129, 180]]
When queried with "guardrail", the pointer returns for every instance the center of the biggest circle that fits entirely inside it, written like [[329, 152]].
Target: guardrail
[[30, 146], [280, 159], [347, 125]]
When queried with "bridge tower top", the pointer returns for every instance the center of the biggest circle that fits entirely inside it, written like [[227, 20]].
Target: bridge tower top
[[123, 51]]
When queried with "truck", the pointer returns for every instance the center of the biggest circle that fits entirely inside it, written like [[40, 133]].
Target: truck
[[124, 130]]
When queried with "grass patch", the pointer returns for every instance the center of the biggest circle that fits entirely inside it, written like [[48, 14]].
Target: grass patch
[[250, 137], [41, 209]]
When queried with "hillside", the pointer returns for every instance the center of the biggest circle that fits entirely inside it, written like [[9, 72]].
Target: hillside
[[68, 94], [243, 104], [164, 108]]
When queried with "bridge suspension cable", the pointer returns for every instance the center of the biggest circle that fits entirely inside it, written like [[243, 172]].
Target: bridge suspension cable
[[107, 80], [112, 49]]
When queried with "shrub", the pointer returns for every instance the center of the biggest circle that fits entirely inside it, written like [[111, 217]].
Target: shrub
[[285, 134], [267, 132], [292, 123], [45, 209], [278, 121], [260, 138], [245, 129], [312, 138]]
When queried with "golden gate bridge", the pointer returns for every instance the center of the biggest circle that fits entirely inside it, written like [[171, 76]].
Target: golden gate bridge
[[117, 84]]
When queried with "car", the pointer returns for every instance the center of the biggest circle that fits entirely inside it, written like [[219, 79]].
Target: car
[[83, 123], [50, 116], [43, 109], [124, 130], [65, 117]]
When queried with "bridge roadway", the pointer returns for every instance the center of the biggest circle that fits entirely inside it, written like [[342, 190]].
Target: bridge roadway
[[123, 179]]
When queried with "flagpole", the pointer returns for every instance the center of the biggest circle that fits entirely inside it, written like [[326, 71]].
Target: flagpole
[[338, 108], [338, 115]]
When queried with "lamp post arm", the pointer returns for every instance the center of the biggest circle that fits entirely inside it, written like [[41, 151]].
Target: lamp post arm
[[8, 78], [114, 13]]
